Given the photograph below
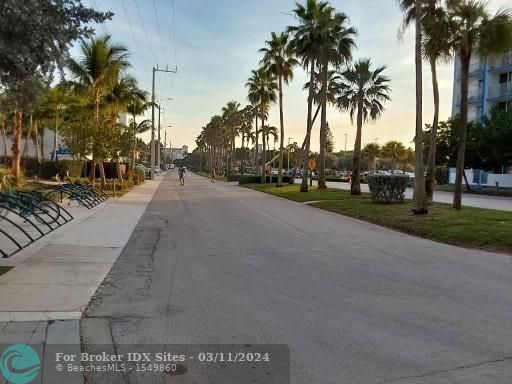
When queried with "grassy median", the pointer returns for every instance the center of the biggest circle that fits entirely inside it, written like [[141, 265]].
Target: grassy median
[[4, 269], [470, 227]]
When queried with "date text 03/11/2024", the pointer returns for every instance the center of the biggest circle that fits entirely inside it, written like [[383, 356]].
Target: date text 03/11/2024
[[210, 357]]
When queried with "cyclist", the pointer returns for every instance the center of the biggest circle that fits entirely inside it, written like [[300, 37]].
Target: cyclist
[[181, 173]]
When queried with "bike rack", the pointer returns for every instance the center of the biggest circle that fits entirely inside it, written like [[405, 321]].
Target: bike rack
[[85, 195], [26, 217]]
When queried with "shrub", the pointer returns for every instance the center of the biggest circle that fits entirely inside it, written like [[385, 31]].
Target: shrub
[[388, 189], [233, 177], [136, 176], [48, 169]]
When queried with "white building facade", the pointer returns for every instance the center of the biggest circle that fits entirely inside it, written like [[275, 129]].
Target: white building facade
[[490, 85]]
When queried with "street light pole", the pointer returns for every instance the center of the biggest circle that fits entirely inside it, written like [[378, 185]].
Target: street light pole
[[345, 143], [159, 138], [153, 127]]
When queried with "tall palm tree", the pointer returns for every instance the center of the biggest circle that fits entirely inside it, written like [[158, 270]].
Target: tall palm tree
[[262, 87], [231, 116], [336, 43], [435, 47], [246, 117], [307, 40], [420, 197], [473, 30], [279, 58], [96, 71], [137, 105], [363, 92]]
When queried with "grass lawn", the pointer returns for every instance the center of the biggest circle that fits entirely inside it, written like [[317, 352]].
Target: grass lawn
[[4, 269], [470, 227]]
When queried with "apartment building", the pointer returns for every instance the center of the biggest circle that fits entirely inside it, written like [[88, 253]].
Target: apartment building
[[490, 85]]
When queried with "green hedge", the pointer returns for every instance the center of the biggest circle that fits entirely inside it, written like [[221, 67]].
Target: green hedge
[[255, 179], [48, 169], [388, 189]]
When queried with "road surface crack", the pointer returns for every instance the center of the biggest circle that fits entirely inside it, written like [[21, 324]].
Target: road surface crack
[[462, 367]]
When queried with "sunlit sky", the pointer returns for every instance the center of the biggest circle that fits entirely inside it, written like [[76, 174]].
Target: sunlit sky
[[215, 43]]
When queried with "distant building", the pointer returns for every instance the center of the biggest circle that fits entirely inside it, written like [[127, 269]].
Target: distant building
[[176, 153], [29, 149], [490, 85]]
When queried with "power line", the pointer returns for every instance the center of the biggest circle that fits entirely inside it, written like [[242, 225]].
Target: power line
[[161, 85], [95, 6], [159, 34], [145, 32], [174, 32], [135, 40]]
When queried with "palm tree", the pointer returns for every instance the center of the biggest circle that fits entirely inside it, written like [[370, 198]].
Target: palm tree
[[420, 197], [279, 59], [435, 47], [246, 116], [371, 151], [137, 105], [96, 72], [307, 38], [473, 30], [336, 48], [363, 92], [231, 116], [262, 90]]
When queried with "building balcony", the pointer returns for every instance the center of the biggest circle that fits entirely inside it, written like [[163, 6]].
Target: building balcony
[[475, 97], [502, 63], [500, 92], [476, 69]]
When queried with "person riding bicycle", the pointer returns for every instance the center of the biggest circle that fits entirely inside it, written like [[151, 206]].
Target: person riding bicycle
[[181, 173]]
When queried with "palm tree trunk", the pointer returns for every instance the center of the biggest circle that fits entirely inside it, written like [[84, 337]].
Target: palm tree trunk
[[264, 154], [323, 130], [16, 158], [242, 160], [27, 138], [256, 148], [463, 130], [431, 162], [55, 133], [281, 144], [316, 114], [4, 134], [38, 149], [355, 186], [420, 197], [304, 185]]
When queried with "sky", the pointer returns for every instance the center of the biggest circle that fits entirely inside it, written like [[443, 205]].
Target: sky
[[214, 44]]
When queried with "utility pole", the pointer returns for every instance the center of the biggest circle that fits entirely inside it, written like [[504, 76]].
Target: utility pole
[[165, 145], [159, 144], [155, 70]]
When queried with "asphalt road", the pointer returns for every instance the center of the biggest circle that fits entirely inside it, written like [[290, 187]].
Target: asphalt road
[[355, 303]]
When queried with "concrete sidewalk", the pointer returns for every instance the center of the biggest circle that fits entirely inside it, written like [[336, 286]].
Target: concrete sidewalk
[[55, 278]]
